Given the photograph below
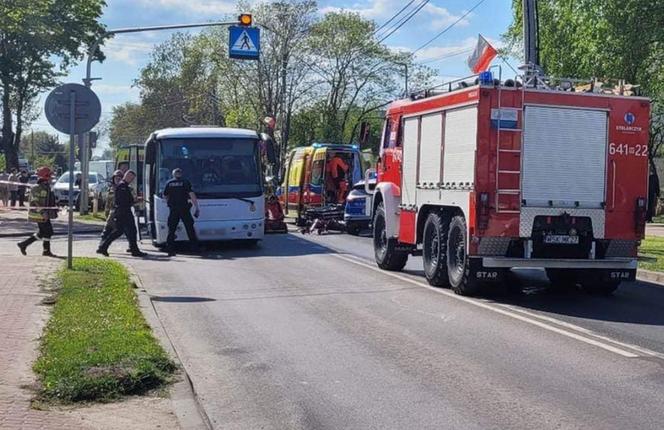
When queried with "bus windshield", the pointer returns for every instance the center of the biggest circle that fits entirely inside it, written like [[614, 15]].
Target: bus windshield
[[217, 168]]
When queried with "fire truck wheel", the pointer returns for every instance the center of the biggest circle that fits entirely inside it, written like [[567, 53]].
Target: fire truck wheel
[[458, 264], [605, 288], [385, 249], [434, 253]]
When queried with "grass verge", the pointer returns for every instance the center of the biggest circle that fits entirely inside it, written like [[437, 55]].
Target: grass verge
[[651, 254], [98, 217], [97, 345]]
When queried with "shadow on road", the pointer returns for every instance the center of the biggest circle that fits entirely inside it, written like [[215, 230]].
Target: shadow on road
[[287, 245], [633, 302]]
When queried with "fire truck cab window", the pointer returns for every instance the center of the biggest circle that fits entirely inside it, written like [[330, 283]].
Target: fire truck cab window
[[386, 134]]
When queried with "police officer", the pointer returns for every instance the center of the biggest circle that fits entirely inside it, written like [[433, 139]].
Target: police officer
[[124, 218], [41, 197], [178, 192], [110, 202]]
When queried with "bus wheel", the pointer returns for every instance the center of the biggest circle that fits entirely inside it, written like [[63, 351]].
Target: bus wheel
[[385, 249], [434, 252], [458, 263]]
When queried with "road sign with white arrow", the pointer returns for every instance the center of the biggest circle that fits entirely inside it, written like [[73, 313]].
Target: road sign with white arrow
[[244, 43]]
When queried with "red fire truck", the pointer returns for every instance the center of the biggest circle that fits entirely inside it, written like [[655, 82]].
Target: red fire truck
[[483, 177]]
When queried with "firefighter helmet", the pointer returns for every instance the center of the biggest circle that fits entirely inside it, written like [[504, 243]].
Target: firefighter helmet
[[44, 173]]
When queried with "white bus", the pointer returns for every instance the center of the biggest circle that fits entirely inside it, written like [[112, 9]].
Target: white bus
[[224, 166]]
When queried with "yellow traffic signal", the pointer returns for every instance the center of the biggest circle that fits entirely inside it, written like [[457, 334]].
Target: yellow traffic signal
[[245, 19]]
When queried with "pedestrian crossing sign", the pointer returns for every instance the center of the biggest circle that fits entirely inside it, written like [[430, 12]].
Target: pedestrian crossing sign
[[244, 43]]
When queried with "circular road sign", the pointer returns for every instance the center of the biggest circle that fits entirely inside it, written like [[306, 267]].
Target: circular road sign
[[86, 104]]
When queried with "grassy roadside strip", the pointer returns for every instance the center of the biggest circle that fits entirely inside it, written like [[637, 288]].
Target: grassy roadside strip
[[651, 254], [96, 218], [97, 345]]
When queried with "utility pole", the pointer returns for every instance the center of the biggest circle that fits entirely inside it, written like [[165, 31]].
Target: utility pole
[[32, 145], [530, 40]]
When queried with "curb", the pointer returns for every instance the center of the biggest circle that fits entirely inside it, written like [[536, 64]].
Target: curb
[[186, 404], [655, 278]]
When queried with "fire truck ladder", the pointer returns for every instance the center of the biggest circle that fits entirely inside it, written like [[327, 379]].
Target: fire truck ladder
[[507, 177]]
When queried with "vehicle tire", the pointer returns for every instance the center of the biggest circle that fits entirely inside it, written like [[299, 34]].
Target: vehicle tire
[[600, 288], [434, 250], [387, 256], [458, 264], [353, 228]]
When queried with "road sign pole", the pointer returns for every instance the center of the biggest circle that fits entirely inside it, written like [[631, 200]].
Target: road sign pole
[[85, 163], [70, 226]]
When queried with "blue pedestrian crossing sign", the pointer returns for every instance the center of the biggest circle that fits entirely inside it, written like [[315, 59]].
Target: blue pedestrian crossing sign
[[244, 42]]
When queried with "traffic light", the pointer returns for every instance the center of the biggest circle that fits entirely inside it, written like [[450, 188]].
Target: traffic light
[[245, 19]]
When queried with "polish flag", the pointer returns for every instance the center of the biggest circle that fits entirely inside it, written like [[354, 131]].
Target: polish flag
[[482, 56]]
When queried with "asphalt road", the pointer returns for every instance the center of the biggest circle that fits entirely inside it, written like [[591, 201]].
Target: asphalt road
[[306, 333]]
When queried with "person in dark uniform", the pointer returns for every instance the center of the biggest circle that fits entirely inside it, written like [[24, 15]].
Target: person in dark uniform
[[42, 202], [178, 192], [124, 218]]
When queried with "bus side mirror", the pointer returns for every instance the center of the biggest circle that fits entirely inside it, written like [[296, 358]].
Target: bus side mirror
[[269, 148]]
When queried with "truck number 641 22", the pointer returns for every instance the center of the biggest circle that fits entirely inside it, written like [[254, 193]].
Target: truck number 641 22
[[626, 149]]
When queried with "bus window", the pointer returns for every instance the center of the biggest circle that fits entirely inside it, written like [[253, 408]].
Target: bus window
[[217, 167]]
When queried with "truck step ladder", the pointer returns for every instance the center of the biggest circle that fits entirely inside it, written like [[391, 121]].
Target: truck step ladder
[[508, 158]]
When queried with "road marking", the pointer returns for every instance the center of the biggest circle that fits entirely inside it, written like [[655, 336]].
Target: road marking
[[604, 343]]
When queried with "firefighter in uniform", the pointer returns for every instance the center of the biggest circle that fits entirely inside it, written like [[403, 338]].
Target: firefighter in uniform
[[124, 218], [110, 202], [41, 197], [178, 192]]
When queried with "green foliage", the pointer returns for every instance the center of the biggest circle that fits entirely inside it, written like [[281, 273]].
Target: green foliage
[[43, 149], [319, 76], [39, 40], [651, 254], [3, 163], [97, 344]]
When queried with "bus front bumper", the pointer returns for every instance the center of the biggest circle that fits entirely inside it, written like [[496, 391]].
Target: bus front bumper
[[208, 231]]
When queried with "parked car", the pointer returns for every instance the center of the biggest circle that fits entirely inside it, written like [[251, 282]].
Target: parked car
[[357, 213], [97, 187]]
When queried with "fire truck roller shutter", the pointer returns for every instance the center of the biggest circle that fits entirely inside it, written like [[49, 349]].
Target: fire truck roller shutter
[[409, 171], [431, 144], [564, 157], [460, 146]]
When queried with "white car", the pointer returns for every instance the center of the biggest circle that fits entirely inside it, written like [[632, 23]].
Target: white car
[[97, 187]]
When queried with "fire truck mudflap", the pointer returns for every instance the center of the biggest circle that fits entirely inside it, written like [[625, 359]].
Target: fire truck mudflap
[[492, 177]]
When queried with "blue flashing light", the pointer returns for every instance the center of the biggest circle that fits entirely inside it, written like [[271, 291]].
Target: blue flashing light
[[486, 78]]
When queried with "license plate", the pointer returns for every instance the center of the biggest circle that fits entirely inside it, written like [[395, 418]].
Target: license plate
[[561, 239]]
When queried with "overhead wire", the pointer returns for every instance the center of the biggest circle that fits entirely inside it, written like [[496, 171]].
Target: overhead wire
[[393, 17], [446, 29], [404, 20]]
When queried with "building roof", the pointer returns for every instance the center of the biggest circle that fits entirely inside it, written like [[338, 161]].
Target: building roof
[[205, 132]]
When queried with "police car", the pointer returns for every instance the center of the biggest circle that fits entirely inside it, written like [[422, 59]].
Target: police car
[[357, 213]]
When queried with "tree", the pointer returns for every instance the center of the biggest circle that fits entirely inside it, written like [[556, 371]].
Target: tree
[[32, 34], [41, 147]]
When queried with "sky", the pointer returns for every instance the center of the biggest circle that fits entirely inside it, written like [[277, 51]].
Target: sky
[[127, 54]]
